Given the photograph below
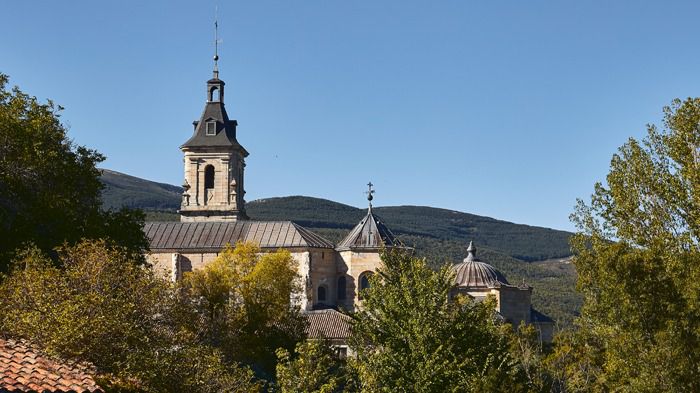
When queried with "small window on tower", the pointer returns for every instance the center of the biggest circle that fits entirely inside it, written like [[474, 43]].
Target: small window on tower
[[211, 128]]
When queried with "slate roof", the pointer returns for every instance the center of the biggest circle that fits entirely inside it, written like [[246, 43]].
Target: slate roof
[[370, 233], [537, 316], [329, 323], [225, 128], [213, 236], [23, 368]]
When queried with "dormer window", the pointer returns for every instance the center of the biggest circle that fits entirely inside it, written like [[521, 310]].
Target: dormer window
[[211, 128]]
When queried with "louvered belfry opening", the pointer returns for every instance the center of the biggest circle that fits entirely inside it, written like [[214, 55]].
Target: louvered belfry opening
[[209, 174]]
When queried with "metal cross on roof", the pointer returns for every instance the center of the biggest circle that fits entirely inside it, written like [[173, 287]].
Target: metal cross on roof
[[370, 193]]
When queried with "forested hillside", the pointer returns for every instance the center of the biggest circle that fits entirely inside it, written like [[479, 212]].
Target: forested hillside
[[535, 255], [124, 190]]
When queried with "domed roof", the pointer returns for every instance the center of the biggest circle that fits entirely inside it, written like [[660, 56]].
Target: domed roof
[[474, 273]]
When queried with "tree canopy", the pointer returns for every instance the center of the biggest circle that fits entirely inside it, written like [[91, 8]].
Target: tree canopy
[[103, 308], [242, 302], [50, 186], [411, 336], [217, 330], [638, 262], [314, 368]]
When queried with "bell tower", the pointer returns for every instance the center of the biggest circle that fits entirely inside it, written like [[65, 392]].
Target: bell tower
[[214, 161]]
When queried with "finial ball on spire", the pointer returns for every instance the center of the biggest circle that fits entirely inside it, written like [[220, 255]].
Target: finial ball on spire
[[216, 57]]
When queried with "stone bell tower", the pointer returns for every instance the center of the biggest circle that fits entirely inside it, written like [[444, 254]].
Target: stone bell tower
[[214, 163]]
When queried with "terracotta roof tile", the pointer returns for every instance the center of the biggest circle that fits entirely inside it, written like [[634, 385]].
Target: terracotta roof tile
[[328, 323], [25, 368]]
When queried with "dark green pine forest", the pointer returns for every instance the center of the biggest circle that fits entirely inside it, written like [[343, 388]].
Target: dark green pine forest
[[534, 255]]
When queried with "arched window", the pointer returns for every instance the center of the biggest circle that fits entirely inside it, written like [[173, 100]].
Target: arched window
[[321, 294], [364, 282], [214, 94], [342, 288], [208, 184], [209, 176]]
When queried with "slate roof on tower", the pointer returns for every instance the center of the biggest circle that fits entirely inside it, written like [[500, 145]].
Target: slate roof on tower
[[214, 112], [370, 234]]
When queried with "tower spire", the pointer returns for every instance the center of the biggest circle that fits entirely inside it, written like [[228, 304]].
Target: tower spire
[[216, 43]]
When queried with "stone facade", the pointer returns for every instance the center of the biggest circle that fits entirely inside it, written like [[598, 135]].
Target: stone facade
[[176, 264], [352, 266], [215, 181], [331, 278]]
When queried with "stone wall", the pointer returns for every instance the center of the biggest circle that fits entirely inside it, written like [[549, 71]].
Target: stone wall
[[323, 275], [227, 193], [316, 267], [514, 304], [352, 264]]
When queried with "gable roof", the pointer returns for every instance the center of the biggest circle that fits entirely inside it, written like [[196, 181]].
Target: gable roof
[[213, 236], [24, 368], [328, 323], [371, 234]]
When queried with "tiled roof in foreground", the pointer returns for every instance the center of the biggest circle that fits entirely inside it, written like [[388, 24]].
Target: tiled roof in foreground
[[23, 368], [213, 236], [328, 323]]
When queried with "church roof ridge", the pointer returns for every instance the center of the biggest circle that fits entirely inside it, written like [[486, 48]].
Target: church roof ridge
[[210, 236]]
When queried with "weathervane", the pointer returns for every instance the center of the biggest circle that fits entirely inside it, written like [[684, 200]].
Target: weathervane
[[370, 193], [216, 42]]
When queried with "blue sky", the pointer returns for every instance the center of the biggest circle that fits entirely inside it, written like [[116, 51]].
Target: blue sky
[[506, 109]]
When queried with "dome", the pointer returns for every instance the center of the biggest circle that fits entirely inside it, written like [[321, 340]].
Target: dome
[[475, 273]]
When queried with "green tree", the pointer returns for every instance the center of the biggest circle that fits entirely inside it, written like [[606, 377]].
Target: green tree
[[103, 308], [526, 347], [410, 337], [575, 362], [243, 302], [638, 263], [314, 368], [51, 187]]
